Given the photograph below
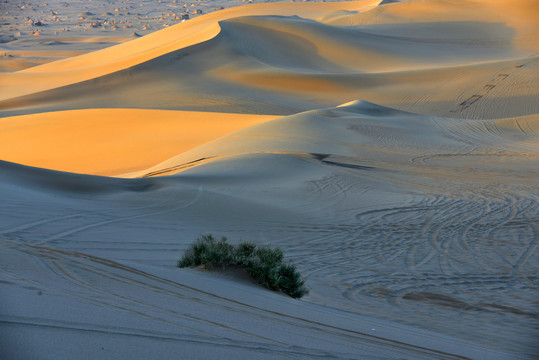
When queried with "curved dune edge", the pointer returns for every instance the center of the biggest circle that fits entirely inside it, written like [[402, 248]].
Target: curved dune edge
[[262, 59], [360, 134], [122, 56], [111, 141], [514, 23], [145, 143]]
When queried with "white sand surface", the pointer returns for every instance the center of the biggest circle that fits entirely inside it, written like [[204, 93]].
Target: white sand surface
[[391, 151]]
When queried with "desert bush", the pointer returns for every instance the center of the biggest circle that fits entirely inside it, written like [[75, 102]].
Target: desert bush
[[265, 264], [291, 282], [207, 252], [244, 253]]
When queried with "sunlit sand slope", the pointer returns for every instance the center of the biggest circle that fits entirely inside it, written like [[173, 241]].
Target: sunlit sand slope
[[459, 59], [111, 141], [122, 56]]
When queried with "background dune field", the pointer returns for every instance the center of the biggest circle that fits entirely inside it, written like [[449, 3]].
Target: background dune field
[[390, 148]]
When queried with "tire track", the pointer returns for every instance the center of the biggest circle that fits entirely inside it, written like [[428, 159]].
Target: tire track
[[51, 260], [85, 262], [532, 245], [486, 88], [45, 221], [395, 251], [121, 219]]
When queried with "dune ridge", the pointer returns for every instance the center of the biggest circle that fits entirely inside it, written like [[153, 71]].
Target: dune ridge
[[122, 56], [334, 62]]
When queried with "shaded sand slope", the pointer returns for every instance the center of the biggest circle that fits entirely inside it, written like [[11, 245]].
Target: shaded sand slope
[[460, 59], [373, 134], [122, 56], [136, 313], [33, 32], [396, 219]]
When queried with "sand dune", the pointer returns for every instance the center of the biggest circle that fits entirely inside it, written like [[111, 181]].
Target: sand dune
[[111, 141], [370, 134], [391, 149], [125, 55], [384, 220], [421, 69]]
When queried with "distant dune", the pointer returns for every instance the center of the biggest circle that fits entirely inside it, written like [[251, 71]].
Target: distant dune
[[390, 148]]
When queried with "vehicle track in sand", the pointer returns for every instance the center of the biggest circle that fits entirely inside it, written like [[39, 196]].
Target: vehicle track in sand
[[503, 84], [469, 251], [103, 217], [82, 270]]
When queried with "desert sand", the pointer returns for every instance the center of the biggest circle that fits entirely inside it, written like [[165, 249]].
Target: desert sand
[[390, 148]]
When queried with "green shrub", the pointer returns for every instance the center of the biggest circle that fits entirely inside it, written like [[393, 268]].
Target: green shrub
[[207, 252], [269, 257], [244, 252], [265, 264], [290, 281]]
